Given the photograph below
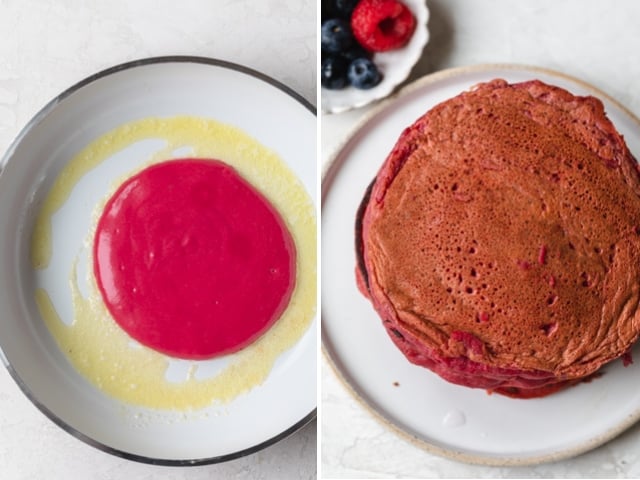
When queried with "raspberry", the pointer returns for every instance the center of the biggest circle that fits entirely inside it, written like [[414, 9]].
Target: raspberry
[[381, 25]]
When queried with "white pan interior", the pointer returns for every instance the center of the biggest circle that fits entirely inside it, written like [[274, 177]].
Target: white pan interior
[[271, 114]]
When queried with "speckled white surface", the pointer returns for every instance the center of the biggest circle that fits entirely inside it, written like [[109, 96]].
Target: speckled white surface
[[593, 40], [49, 45]]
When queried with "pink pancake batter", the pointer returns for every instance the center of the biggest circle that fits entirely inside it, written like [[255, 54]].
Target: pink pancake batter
[[193, 261]]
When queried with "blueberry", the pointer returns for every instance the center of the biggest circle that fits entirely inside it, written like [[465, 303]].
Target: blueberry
[[336, 35], [333, 72], [356, 51], [337, 8], [363, 73], [325, 10], [344, 8]]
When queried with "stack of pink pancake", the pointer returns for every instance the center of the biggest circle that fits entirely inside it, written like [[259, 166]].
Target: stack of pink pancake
[[500, 240]]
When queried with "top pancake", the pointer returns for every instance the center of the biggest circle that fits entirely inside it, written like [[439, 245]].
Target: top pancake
[[504, 227]]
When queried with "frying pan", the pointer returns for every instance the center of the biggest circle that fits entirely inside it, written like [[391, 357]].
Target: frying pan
[[155, 87]]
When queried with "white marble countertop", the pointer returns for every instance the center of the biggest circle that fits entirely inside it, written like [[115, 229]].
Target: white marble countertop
[[593, 40], [49, 45]]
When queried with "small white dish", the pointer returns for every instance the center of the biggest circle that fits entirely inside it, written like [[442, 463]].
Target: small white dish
[[450, 420], [155, 87], [394, 65]]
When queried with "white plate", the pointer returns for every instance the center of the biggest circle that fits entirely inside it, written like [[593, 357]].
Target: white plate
[[394, 65], [454, 421], [167, 86]]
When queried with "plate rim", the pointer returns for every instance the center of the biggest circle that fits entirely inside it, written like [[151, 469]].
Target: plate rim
[[36, 119], [329, 170]]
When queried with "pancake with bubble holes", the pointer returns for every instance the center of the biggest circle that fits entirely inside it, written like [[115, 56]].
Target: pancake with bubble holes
[[500, 240]]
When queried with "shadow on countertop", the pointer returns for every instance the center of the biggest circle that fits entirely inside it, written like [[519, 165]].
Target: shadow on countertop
[[437, 51]]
